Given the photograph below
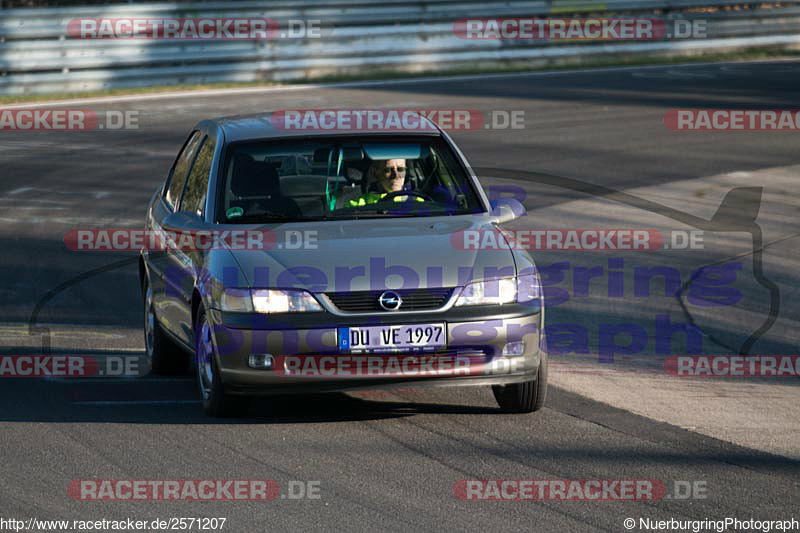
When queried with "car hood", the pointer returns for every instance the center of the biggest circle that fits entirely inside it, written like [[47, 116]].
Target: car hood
[[374, 254]]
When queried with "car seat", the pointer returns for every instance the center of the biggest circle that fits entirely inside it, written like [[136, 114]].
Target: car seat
[[256, 188]]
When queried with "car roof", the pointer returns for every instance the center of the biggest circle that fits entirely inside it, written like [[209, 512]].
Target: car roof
[[260, 126]]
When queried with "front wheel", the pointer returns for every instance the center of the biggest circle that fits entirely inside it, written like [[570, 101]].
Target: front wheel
[[217, 401], [163, 355], [525, 397]]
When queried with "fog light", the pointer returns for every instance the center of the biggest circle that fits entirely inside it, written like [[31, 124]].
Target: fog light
[[514, 348], [261, 361]]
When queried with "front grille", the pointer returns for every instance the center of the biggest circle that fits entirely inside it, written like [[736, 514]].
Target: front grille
[[473, 352], [413, 300]]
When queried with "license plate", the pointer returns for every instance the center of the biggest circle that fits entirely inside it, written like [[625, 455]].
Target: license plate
[[391, 338]]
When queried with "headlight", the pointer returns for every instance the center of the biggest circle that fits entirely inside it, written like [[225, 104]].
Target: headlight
[[275, 301], [268, 301], [529, 288], [501, 291], [490, 292], [236, 301]]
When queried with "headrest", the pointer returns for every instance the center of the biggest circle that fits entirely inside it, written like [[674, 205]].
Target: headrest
[[254, 178], [321, 156]]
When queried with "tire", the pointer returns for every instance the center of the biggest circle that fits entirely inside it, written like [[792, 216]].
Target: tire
[[163, 355], [525, 397], [217, 401]]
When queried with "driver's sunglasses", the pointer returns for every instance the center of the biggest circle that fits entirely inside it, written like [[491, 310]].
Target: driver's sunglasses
[[388, 171]]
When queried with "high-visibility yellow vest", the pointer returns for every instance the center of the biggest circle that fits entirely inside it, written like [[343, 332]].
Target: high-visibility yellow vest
[[375, 197]]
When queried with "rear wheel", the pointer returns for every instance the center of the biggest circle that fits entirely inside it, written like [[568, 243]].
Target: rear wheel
[[162, 354], [525, 397], [217, 401]]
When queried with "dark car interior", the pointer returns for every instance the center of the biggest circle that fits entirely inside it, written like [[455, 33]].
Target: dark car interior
[[315, 180]]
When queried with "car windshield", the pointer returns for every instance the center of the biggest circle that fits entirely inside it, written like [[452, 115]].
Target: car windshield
[[341, 179]]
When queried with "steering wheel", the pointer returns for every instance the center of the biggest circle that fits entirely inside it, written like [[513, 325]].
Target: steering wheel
[[395, 194]]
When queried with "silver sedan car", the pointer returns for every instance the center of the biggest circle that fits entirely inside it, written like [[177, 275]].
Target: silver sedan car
[[324, 261]]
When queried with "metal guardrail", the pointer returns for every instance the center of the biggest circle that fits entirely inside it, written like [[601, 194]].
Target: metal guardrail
[[38, 56]]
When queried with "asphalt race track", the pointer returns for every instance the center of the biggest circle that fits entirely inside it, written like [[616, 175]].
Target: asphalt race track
[[390, 459]]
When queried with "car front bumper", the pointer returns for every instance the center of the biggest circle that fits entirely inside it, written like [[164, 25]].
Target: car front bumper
[[485, 346]]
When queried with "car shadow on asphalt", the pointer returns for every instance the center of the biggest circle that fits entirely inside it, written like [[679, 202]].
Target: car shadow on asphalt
[[174, 400]]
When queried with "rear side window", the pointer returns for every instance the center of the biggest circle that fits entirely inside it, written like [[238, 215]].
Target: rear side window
[[180, 170], [194, 197]]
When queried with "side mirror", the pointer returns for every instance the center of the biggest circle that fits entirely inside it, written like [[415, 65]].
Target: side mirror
[[182, 221], [506, 209]]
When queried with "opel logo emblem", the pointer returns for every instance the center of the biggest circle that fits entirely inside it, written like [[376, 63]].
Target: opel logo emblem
[[390, 301]]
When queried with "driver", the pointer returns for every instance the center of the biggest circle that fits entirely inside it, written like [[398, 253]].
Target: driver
[[390, 176]]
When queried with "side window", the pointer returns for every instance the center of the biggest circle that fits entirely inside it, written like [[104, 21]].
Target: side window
[[180, 170], [194, 197]]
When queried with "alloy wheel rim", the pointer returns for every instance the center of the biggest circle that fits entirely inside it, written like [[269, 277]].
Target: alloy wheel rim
[[205, 350], [149, 323]]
